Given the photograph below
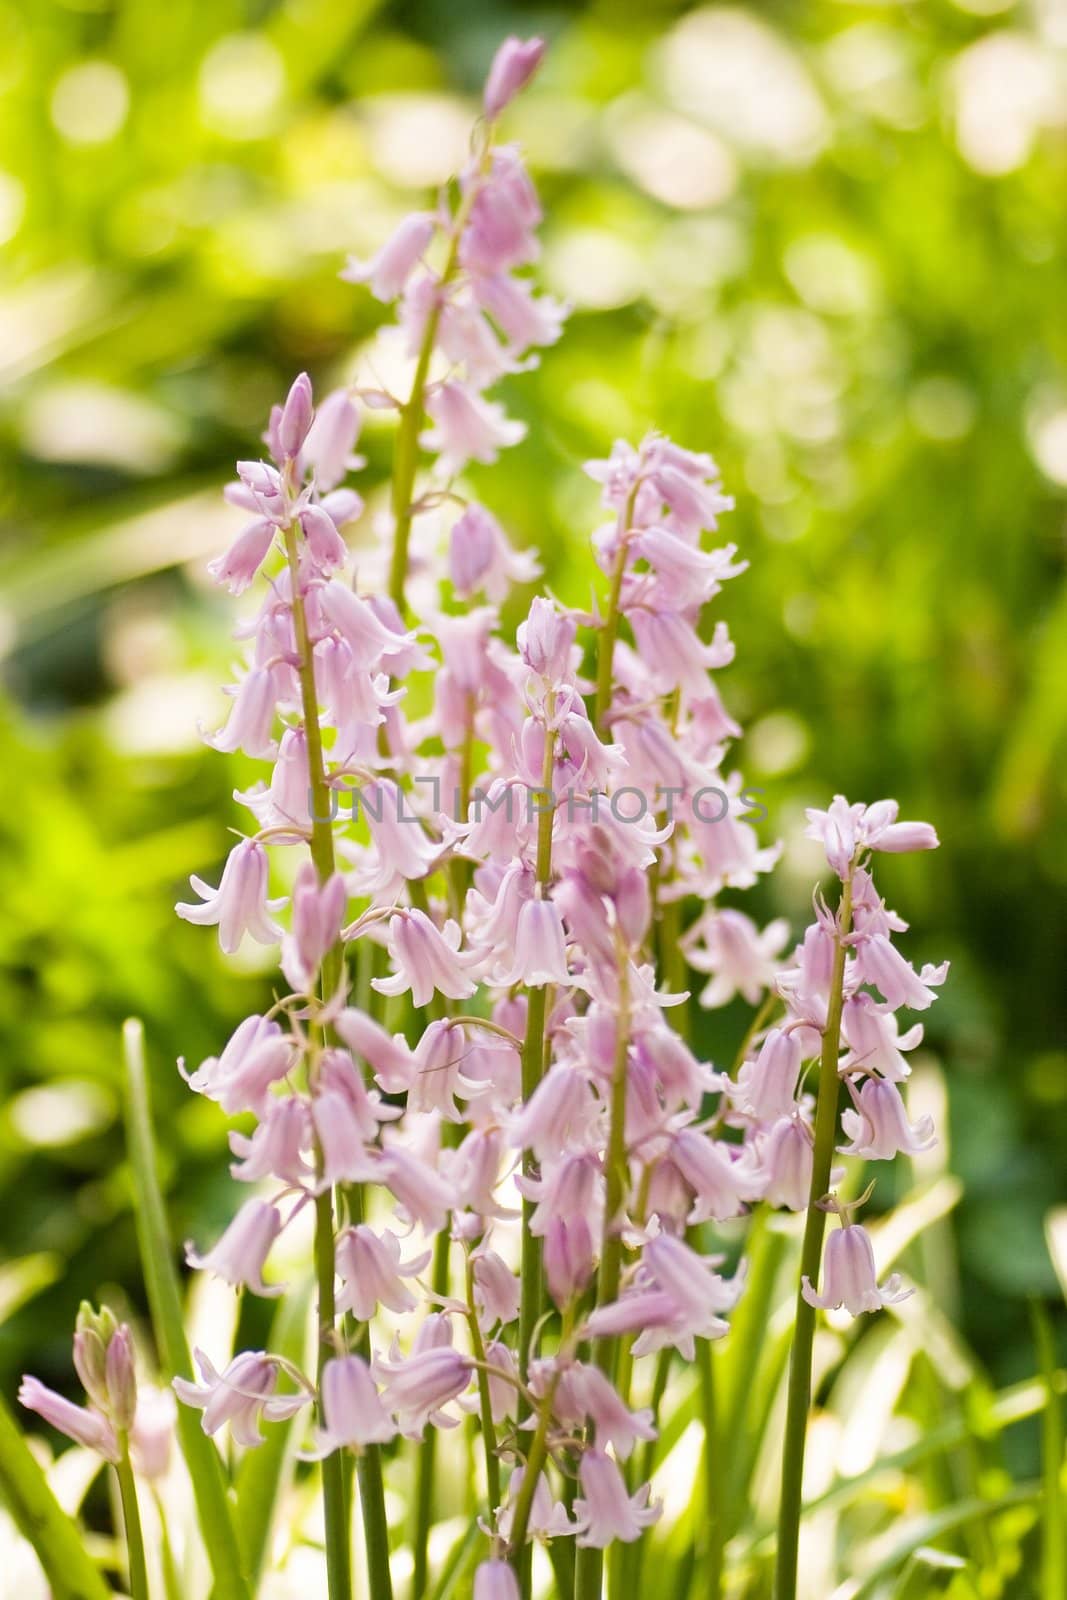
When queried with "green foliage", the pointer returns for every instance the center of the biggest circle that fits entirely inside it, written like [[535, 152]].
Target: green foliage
[[842, 284]]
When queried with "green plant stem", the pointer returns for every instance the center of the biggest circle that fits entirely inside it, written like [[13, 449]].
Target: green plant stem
[[609, 633], [492, 1461], [535, 1462], [533, 1062], [589, 1565], [335, 1499], [427, 1452], [164, 1300], [798, 1400], [406, 452], [712, 1470], [131, 1516], [334, 1487]]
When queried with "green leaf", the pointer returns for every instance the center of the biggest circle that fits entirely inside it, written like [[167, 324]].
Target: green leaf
[[266, 1469], [948, 1520], [40, 1519], [20, 1280], [164, 1299]]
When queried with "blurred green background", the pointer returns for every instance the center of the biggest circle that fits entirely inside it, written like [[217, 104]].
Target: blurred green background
[[826, 241]]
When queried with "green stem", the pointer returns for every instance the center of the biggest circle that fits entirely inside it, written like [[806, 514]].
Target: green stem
[[533, 1060], [427, 1452], [798, 1399], [335, 1499], [131, 1516], [589, 1567], [712, 1475], [164, 1300], [492, 1460], [535, 1462], [609, 633], [406, 453], [334, 1488]]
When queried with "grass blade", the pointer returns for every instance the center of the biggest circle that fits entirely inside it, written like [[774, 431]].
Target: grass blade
[[1054, 1549], [164, 1299], [40, 1519]]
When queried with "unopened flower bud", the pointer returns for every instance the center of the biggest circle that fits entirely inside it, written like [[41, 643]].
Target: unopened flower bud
[[90, 1363], [513, 66], [121, 1380], [297, 415]]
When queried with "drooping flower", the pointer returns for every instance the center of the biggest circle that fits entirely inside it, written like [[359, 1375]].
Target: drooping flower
[[240, 904], [849, 1277], [243, 1395]]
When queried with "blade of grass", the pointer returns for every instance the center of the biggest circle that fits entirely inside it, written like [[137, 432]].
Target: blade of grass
[[41, 1520], [928, 1572], [164, 1299], [1054, 1549]]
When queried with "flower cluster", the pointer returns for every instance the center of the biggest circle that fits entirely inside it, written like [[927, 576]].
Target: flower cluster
[[476, 1075]]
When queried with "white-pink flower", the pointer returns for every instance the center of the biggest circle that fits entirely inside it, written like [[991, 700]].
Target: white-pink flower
[[240, 904]]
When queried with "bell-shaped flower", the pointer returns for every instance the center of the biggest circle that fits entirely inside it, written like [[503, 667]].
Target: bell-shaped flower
[[86, 1427], [373, 1273], [881, 964], [540, 954], [331, 440], [243, 1395], [874, 1039], [256, 1056], [605, 1510], [467, 427], [495, 1580], [240, 1255], [240, 904], [250, 725], [389, 269], [740, 958], [279, 1147], [766, 1087], [569, 1258], [600, 1402], [426, 960], [879, 1128], [480, 557], [237, 567], [849, 1276], [786, 1158], [352, 1412], [722, 1177], [417, 1387], [496, 1288]]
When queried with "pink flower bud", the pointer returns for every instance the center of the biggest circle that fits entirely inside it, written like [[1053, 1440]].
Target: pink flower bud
[[121, 1379], [296, 417], [513, 66], [546, 640]]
